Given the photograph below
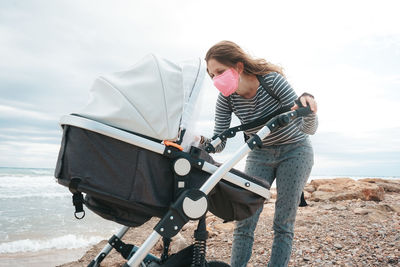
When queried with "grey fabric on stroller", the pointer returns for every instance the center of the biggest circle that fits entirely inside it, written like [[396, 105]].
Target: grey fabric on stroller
[[129, 184]]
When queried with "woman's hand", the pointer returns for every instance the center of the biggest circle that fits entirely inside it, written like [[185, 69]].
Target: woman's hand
[[307, 100], [203, 142]]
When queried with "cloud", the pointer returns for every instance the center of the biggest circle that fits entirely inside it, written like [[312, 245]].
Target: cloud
[[28, 154], [345, 53], [12, 112], [377, 153], [23, 120], [355, 167]]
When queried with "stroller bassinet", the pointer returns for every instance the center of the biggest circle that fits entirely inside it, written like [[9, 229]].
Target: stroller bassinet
[[130, 184], [115, 151]]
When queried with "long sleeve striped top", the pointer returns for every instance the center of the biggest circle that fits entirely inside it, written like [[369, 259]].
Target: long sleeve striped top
[[263, 104]]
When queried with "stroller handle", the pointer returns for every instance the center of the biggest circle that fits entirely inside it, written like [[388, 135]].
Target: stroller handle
[[285, 118], [273, 124], [304, 111]]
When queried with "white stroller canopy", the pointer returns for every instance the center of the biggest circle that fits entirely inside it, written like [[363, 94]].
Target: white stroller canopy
[[153, 98]]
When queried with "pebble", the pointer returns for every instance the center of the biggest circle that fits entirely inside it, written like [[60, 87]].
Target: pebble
[[338, 246], [361, 211]]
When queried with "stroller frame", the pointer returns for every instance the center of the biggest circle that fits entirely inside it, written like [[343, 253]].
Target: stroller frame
[[217, 173]]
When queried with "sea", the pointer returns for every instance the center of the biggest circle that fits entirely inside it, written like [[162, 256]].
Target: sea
[[37, 223]]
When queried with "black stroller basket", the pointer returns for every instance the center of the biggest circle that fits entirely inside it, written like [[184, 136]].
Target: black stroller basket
[[130, 184]]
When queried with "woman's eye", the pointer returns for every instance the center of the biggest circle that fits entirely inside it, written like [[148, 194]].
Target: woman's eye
[[221, 71], [217, 73]]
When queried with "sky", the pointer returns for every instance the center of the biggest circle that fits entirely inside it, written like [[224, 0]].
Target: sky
[[346, 53]]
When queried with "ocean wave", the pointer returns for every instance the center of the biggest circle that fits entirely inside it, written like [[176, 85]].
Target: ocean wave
[[36, 195], [27, 178], [26, 174], [43, 171], [62, 242]]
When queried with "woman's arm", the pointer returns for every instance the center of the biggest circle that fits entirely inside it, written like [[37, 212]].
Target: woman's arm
[[287, 95], [310, 122]]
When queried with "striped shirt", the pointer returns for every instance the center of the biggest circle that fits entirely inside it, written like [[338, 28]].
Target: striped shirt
[[263, 104]]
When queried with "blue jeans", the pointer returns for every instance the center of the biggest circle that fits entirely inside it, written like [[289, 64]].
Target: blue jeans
[[290, 165]]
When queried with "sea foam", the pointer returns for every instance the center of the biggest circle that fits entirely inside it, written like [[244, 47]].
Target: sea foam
[[63, 242]]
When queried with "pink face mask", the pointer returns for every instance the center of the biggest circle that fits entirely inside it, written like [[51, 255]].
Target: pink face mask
[[227, 82]]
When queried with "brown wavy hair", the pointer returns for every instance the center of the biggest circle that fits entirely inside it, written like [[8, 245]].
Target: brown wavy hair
[[229, 54]]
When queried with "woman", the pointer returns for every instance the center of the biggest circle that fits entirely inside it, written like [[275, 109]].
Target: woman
[[286, 155]]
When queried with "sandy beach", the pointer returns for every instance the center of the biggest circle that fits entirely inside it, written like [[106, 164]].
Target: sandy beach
[[45, 258], [353, 229]]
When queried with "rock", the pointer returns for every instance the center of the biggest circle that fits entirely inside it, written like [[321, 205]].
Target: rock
[[332, 196], [328, 207], [307, 195], [338, 246], [309, 188], [190, 225], [318, 182], [361, 211], [226, 227], [387, 185], [178, 243], [334, 207], [373, 214], [341, 207], [377, 215], [374, 193], [345, 189], [387, 208], [211, 232]]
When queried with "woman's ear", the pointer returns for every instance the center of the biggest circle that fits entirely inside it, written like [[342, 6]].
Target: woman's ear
[[240, 67]]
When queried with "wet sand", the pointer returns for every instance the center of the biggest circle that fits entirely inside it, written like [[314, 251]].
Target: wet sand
[[46, 258]]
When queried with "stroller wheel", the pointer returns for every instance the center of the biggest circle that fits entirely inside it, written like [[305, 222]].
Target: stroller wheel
[[217, 264]]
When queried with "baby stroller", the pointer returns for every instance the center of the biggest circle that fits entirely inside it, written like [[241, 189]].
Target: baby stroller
[[127, 157]]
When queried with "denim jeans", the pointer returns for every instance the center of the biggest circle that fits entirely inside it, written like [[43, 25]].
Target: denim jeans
[[290, 165]]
